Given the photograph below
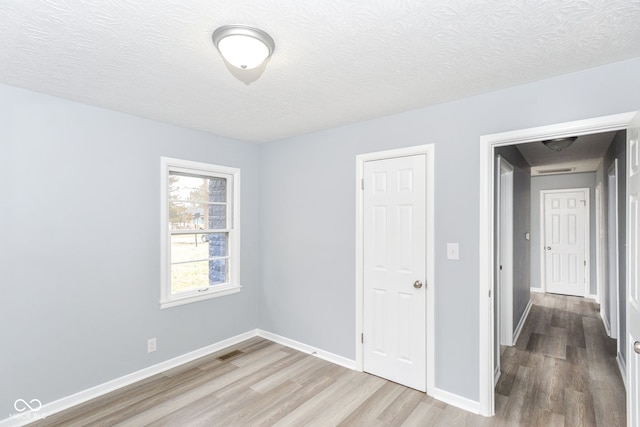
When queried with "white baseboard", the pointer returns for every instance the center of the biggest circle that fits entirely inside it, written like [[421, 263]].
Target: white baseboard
[[51, 408], [99, 390], [623, 368], [305, 348], [456, 400], [593, 297], [607, 328], [523, 319], [537, 290]]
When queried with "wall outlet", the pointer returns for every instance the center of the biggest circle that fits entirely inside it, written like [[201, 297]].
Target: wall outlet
[[151, 345]]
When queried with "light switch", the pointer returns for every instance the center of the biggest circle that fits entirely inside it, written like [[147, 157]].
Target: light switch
[[453, 251]]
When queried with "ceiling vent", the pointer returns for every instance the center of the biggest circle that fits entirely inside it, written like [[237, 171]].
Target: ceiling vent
[[551, 171]]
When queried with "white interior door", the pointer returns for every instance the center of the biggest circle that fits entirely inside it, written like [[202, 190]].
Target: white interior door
[[633, 277], [612, 249], [394, 271], [565, 231], [505, 252]]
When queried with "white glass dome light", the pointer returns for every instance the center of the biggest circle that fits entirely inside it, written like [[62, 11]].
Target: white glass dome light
[[242, 46]]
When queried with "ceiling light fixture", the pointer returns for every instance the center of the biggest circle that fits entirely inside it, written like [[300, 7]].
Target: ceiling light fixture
[[242, 46], [559, 144]]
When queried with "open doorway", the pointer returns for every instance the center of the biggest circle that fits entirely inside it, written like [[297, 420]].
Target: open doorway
[[487, 239]]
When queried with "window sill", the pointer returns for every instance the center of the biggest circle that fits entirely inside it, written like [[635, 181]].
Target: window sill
[[201, 296]]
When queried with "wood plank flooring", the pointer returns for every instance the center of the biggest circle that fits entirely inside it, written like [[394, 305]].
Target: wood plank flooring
[[561, 372]]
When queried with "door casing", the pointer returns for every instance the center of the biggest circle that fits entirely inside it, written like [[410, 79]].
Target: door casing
[[486, 247], [613, 258], [428, 150]]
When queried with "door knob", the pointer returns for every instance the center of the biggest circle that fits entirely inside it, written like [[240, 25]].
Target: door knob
[[417, 284], [548, 248], [636, 347]]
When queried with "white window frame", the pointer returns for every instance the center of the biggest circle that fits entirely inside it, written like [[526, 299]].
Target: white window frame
[[167, 299]]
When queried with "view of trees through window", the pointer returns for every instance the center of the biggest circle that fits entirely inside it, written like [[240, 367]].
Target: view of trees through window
[[198, 224]]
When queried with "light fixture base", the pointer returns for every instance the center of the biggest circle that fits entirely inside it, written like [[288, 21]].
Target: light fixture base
[[243, 46]]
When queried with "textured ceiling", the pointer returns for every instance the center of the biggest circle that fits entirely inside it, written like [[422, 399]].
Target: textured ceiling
[[336, 61]]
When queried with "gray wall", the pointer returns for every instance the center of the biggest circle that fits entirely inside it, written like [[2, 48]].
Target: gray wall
[[618, 150], [79, 246], [308, 198], [557, 182], [521, 225]]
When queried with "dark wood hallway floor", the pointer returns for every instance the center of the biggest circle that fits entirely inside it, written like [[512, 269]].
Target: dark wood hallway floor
[[561, 372]]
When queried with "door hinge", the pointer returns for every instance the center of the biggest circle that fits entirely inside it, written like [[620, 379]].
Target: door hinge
[[362, 338], [489, 293], [585, 262], [500, 268], [362, 183]]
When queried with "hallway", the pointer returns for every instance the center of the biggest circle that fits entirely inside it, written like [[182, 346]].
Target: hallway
[[562, 370]]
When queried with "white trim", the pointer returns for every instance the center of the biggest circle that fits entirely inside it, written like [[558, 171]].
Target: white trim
[[614, 322], [429, 151], [487, 145], [523, 319], [622, 367], [587, 242], [233, 286], [605, 323], [504, 242], [456, 400], [115, 384], [599, 243], [305, 348], [537, 290]]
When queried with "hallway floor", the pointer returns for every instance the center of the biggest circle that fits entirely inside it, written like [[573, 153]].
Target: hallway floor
[[562, 370]]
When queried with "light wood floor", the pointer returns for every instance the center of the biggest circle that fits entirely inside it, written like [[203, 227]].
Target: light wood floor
[[561, 372]]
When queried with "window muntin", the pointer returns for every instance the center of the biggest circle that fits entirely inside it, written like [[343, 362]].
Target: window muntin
[[201, 243]]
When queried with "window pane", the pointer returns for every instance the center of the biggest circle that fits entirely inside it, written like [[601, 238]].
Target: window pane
[[217, 271], [217, 216], [188, 216], [197, 188], [196, 216], [198, 275], [191, 247], [218, 244]]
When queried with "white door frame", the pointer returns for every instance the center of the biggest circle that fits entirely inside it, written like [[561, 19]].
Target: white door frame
[[487, 145], [428, 150], [587, 241], [505, 253], [600, 244], [613, 271]]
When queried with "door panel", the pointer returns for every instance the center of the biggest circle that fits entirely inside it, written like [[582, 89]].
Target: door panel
[[633, 277], [394, 249], [565, 241]]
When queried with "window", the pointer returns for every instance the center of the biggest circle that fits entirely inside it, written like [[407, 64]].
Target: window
[[200, 231]]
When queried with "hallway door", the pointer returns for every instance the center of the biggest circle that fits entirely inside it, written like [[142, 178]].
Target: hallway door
[[565, 241]]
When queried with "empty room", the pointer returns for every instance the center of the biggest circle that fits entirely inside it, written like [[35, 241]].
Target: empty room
[[394, 213]]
